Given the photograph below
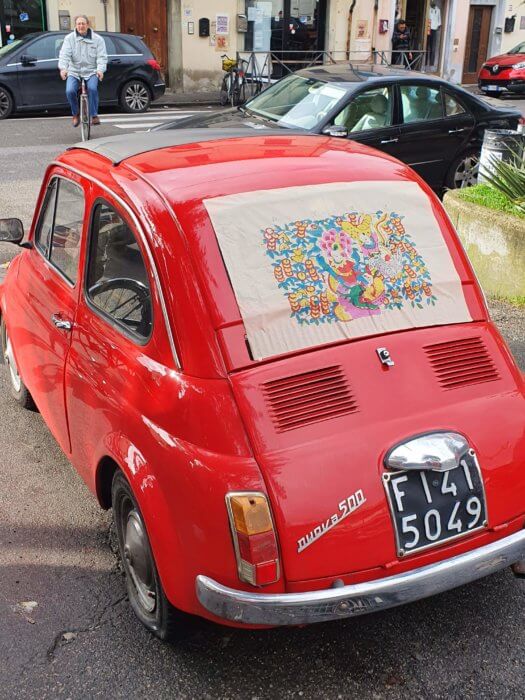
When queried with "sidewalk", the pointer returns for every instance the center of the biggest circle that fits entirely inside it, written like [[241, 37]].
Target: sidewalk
[[183, 99]]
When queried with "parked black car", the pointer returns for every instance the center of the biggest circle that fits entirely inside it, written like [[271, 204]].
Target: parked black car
[[433, 126], [29, 77]]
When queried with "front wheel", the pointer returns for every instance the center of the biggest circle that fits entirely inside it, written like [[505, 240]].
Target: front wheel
[[17, 387], [135, 97], [464, 170], [6, 103], [224, 95], [146, 595], [85, 121]]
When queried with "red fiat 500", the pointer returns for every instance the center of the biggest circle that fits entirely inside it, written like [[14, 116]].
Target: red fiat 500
[[270, 356]]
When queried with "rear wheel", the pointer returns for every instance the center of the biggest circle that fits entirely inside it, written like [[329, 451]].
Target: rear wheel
[[17, 387], [135, 97], [146, 595], [6, 103], [224, 95], [464, 170]]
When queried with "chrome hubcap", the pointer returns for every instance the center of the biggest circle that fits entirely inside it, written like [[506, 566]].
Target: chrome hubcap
[[136, 96], [138, 559], [467, 172], [11, 365]]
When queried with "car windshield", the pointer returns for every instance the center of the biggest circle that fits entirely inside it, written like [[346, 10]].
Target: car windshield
[[297, 101], [9, 47], [520, 48]]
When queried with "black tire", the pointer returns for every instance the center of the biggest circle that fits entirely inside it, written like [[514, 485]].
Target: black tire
[[224, 95], [464, 170], [85, 119], [17, 387], [135, 97], [240, 93], [6, 103], [146, 595]]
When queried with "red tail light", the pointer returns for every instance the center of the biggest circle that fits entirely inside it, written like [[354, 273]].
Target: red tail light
[[153, 63], [254, 538]]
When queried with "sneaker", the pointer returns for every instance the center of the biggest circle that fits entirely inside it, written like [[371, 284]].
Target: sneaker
[[95, 121], [76, 120]]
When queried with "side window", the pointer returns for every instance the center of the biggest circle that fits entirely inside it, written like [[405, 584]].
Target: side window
[[111, 48], [43, 48], [368, 110], [67, 228], [45, 222], [126, 47], [117, 280], [420, 103], [452, 105]]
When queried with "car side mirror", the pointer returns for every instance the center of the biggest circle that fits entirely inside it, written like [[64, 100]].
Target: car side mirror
[[334, 130], [11, 231], [26, 60]]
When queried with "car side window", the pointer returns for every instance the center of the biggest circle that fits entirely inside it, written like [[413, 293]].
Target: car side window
[[420, 103], [117, 281], [111, 48], [372, 109], [67, 228], [45, 222], [452, 105], [125, 47], [43, 48]]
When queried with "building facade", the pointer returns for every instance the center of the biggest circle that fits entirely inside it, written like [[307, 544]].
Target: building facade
[[188, 37]]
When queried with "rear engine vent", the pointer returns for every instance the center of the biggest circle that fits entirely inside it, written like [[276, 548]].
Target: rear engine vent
[[309, 397], [461, 362]]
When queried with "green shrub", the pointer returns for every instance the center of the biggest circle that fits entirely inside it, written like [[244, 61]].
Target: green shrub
[[509, 179], [489, 197]]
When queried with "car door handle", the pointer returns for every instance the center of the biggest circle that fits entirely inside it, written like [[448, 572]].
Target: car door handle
[[389, 140], [115, 60], [456, 131], [61, 323]]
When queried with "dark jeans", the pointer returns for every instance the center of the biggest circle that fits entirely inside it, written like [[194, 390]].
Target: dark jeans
[[72, 87]]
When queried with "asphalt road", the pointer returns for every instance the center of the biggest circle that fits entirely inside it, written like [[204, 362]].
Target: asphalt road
[[66, 629]]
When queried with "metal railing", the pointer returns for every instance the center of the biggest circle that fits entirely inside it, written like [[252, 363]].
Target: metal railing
[[261, 68]]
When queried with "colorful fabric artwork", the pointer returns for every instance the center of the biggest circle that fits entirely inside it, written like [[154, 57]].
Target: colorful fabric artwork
[[348, 266]]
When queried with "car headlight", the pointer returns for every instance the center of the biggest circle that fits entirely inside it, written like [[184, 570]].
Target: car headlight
[[518, 66]]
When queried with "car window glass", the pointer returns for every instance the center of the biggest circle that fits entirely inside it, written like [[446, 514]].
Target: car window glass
[[452, 106], [368, 110], [67, 229], [123, 46], [420, 103], [117, 281], [44, 48], [58, 45], [111, 48], [45, 223]]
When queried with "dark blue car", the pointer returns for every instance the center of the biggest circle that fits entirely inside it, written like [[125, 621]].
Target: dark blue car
[[30, 81]]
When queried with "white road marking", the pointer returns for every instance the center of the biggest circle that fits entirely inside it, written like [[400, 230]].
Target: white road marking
[[146, 116], [137, 125]]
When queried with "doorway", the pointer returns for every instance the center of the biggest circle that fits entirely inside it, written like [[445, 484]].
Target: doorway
[[147, 19], [477, 44]]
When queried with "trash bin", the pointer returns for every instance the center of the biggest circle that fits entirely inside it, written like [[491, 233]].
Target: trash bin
[[506, 145]]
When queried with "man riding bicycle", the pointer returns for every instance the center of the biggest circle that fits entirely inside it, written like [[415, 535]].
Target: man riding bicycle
[[83, 55]]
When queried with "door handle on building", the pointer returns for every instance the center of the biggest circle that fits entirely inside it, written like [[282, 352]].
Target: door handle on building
[[389, 140], [61, 323]]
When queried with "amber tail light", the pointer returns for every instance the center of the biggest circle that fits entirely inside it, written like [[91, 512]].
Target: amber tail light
[[254, 538]]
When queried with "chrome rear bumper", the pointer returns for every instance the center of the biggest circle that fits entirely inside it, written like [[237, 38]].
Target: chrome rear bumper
[[360, 598]]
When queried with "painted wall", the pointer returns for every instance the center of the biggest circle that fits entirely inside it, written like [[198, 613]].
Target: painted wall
[[363, 27], [94, 9], [514, 7]]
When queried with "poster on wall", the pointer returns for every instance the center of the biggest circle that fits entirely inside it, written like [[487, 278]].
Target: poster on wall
[[362, 29], [223, 24]]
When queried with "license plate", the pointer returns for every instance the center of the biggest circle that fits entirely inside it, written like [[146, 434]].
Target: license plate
[[430, 507], [492, 88]]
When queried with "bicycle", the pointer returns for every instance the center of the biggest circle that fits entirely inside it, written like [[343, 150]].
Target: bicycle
[[233, 83], [83, 110]]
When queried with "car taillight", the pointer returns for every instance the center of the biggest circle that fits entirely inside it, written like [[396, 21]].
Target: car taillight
[[521, 125], [153, 63], [254, 538]]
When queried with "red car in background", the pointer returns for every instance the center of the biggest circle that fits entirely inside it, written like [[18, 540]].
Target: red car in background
[[270, 356], [504, 73]]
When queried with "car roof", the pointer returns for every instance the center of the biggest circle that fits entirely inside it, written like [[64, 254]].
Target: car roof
[[363, 73]]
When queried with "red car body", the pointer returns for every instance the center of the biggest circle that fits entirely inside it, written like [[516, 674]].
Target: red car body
[[504, 73], [187, 418]]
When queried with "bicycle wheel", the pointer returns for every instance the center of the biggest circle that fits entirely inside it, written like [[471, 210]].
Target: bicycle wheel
[[85, 121], [234, 86], [225, 90], [240, 92]]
